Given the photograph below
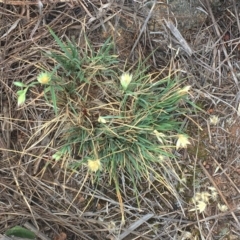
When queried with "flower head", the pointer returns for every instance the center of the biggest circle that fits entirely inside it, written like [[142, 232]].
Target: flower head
[[201, 196], [182, 141], [160, 136], [57, 156], [102, 120], [184, 90], [94, 165], [214, 120], [200, 206], [161, 158], [214, 194], [222, 208], [125, 80], [205, 196], [44, 78]]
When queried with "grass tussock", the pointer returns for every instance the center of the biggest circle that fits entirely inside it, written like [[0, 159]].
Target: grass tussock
[[113, 120]]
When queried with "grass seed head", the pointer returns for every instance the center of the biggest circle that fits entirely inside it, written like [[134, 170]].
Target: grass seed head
[[201, 206], [102, 120], [205, 196], [214, 120], [125, 80], [57, 156], [184, 90], [160, 136], [182, 141], [214, 194], [222, 207]]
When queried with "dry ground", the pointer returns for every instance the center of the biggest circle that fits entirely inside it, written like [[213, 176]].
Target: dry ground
[[49, 198]]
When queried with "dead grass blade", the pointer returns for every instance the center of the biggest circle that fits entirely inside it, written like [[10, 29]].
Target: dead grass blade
[[135, 225], [179, 37]]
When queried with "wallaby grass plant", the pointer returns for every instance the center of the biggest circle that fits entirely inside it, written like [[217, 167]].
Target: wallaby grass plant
[[116, 121]]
